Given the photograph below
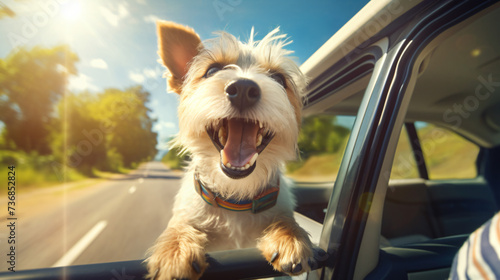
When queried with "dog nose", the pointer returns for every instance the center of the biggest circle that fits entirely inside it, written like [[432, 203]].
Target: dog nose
[[243, 93]]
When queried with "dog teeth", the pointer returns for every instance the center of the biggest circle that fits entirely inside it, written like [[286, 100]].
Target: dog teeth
[[259, 140], [239, 168], [260, 125], [253, 159], [222, 135]]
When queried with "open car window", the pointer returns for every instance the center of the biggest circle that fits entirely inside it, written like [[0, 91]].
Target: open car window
[[322, 142]]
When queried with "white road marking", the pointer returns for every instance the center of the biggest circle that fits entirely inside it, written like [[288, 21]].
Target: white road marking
[[132, 189], [81, 245]]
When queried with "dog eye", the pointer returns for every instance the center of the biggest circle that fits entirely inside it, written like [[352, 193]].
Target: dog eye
[[279, 78], [212, 70]]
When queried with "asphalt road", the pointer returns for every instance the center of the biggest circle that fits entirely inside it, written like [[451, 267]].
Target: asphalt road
[[113, 221]]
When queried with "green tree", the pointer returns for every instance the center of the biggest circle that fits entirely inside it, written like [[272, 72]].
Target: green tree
[[31, 82], [76, 134], [125, 115], [106, 131], [321, 134]]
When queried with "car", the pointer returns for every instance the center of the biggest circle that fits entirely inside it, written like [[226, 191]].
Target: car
[[416, 85]]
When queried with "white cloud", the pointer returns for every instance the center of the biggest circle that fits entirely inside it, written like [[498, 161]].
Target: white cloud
[[151, 18], [98, 63], [109, 16], [164, 125], [136, 77], [80, 83], [114, 17], [122, 11], [149, 74], [152, 73]]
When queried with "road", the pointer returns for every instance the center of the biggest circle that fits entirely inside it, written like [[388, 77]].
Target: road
[[111, 221]]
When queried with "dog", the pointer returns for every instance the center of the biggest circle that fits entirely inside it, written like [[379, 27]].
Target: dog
[[239, 118]]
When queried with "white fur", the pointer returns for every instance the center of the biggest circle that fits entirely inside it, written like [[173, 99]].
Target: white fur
[[206, 103], [228, 229], [196, 226]]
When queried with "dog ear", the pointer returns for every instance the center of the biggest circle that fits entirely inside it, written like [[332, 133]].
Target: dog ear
[[177, 45]]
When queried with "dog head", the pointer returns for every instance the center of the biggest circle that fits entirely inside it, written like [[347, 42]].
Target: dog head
[[240, 103]]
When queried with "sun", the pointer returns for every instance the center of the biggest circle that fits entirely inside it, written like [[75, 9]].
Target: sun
[[72, 10]]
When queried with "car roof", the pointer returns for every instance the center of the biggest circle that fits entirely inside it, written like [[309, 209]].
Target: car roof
[[372, 18], [458, 80]]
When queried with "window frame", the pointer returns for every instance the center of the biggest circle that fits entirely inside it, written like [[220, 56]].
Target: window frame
[[365, 169], [418, 153]]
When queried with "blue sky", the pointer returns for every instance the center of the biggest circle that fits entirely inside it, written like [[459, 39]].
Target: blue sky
[[116, 41]]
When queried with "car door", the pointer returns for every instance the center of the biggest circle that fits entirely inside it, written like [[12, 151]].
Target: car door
[[352, 224]]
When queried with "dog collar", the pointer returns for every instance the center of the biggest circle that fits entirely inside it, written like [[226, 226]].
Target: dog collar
[[265, 200]]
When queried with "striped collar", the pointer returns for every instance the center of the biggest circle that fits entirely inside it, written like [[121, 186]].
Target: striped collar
[[265, 200]]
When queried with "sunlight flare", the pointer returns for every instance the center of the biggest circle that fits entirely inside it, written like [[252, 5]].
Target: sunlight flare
[[71, 11]]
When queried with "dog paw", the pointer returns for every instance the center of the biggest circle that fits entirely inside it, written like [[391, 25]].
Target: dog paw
[[290, 259], [288, 249], [178, 254], [179, 268], [296, 267]]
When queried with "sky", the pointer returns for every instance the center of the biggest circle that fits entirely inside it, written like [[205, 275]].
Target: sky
[[117, 45]]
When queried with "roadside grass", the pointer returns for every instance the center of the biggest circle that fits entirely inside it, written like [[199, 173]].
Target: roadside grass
[[318, 168], [447, 155], [34, 172], [28, 177]]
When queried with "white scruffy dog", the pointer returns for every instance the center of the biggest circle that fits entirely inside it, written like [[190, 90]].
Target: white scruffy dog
[[239, 117]]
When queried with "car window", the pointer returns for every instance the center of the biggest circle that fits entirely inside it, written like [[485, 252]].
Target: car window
[[322, 142], [447, 155], [404, 165]]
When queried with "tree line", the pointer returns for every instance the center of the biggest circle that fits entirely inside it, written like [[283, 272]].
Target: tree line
[[39, 117]]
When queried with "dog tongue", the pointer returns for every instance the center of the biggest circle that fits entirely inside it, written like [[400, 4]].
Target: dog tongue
[[241, 142]]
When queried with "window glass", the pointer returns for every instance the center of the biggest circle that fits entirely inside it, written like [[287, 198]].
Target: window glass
[[447, 155], [404, 165], [322, 142]]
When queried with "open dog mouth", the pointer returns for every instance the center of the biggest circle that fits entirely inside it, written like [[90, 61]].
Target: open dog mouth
[[239, 141]]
